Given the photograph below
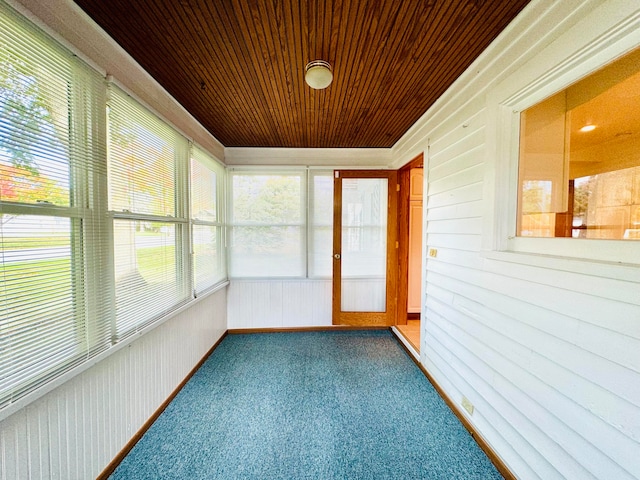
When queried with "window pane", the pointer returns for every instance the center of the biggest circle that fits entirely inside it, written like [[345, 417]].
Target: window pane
[[267, 199], [38, 323], [208, 256], [34, 121], [267, 235], [578, 158], [364, 244], [321, 224], [267, 251], [204, 192], [147, 272], [142, 159]]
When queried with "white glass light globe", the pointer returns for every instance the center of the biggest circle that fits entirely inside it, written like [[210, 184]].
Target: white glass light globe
[[318, 74]]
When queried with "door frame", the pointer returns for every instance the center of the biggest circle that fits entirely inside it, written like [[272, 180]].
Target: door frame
[[370, 319], [403, 236]]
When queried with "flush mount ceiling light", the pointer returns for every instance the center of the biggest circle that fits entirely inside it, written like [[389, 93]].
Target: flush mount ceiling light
[[318, 74], [588, 128]]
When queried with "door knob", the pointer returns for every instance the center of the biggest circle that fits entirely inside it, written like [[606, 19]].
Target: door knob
[[337, 256]]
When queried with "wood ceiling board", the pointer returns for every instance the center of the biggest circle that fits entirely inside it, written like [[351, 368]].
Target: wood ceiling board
[[238, 66]]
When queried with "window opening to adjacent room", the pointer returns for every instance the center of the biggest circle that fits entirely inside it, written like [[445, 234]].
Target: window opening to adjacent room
[[579, 170]]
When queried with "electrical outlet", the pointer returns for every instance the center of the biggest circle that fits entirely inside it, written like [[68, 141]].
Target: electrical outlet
[[467, 405], [433, 252]]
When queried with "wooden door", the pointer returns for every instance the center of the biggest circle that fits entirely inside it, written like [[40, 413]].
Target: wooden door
[[364, 247]]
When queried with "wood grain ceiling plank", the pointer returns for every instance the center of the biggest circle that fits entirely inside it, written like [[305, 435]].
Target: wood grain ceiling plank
[[462, 54], [281, 82], [373, 31], [383, 98], [238, 66], [406, 98], [250, 62]]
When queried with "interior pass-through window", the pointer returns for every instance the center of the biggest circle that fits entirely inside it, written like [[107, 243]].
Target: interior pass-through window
[[579, 168]]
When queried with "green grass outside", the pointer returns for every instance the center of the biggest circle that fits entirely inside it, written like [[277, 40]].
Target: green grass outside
[[41, 274], [19, 243]]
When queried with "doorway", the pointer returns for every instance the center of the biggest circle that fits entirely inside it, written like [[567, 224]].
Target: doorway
[[364, 247], [410, 204]]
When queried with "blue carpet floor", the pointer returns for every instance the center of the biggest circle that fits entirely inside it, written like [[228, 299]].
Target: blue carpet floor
[[311, 405]]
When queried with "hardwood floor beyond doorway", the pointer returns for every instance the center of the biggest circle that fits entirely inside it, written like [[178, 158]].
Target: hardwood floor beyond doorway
[[411, 331]]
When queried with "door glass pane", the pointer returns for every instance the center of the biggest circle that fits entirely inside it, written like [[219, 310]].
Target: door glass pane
[[364, 244]]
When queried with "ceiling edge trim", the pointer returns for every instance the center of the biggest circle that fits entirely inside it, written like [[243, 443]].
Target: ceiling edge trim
[[356, 157]]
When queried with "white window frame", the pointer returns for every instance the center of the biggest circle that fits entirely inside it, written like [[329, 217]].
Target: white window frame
[[221, 198]]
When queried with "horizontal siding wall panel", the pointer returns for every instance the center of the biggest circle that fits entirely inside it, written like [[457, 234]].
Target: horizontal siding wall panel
[[462, 194], [459, 242], [616, 316], [272, 303], [607, 288], [505, 438], [462, 154], [477, 343], [464, 176], [479, 391], [74, 431], [601, 342], [470, 226], [592, 383], [449, 134], [460, 211]]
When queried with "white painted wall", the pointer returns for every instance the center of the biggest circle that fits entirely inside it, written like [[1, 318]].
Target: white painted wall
[[542, 340], [74, 431], [279, 303]]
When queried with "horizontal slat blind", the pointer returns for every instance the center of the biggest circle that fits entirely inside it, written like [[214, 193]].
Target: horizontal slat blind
[[320, 248], [52, 150], [268, 224], [150, 225], [207, 197]]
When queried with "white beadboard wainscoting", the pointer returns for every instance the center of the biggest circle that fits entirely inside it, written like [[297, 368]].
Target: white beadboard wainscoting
[[546, 348], [272, 303], [74, 431]]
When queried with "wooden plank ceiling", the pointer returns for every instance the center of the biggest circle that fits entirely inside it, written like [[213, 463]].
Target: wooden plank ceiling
[[238, 66]]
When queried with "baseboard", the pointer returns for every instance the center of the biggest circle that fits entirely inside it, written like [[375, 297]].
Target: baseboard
[[109, 469], [328, 328], [482, 443]]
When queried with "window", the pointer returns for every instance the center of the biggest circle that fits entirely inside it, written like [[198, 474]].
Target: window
[[320, 224], [95, 230], [267, 224], [207, 177], [579, 173], [52, 121], [147, 160]]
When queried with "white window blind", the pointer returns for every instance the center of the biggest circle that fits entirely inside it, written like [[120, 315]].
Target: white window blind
[[320, 224], [53, 315], [268, 224], [207, 198], [147, 190]]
